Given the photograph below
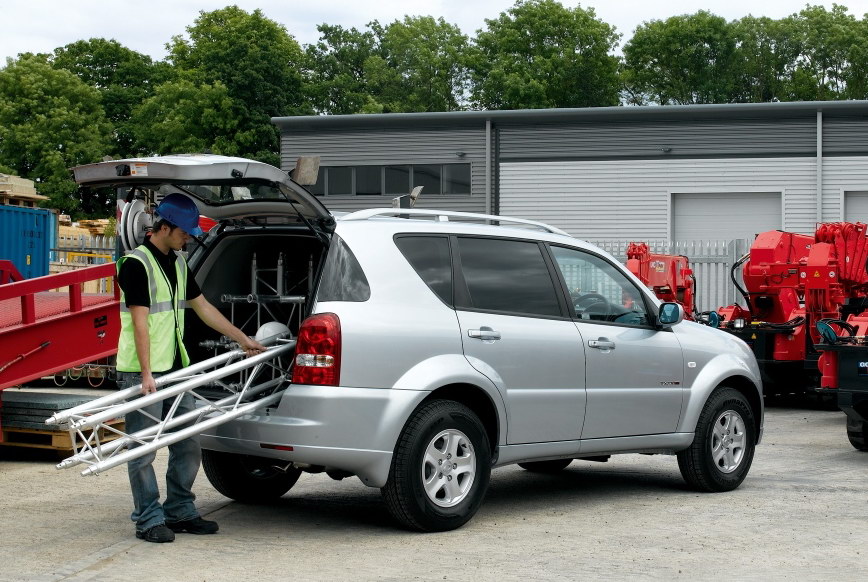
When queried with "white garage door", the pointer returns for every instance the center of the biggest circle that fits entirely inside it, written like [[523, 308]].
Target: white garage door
[[724, 216], [856, 207]]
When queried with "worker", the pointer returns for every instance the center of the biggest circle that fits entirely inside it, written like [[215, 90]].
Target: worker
[[155, 288]]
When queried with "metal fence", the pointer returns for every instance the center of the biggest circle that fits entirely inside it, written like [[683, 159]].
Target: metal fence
[[81, 249], [710, 260]]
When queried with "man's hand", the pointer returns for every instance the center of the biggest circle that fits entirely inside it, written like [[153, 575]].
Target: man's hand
[[251, 347], [149, 385]]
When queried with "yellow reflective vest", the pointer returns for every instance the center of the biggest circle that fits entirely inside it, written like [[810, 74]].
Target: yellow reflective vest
[[165, 318]]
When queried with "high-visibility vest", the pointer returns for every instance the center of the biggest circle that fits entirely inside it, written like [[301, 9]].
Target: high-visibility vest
[[165, 317]]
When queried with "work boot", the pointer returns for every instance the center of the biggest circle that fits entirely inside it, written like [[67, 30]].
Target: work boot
[[196, 525], [159, 534]]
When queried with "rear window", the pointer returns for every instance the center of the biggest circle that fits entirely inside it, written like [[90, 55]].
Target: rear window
[[343, 278], [507, 276], [429, 257]]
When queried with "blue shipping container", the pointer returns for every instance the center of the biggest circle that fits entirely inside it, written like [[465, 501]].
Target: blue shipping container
[[25, 239]]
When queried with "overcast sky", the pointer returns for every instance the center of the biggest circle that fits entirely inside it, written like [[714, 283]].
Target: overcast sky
[[146, 26]]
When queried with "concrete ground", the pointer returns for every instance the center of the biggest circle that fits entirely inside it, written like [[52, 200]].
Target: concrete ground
[[801, 514]]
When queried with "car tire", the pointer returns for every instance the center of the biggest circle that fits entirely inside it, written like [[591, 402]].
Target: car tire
[[247, 479], [857, 433], [723, 445], [553, 466], [420, 494]]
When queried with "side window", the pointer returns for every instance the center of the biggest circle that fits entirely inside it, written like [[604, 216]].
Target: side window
[[429, 256], [342, 278], [598, 290], [507, 276]]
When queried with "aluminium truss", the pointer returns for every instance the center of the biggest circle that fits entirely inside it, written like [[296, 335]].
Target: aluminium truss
[[262, 379]]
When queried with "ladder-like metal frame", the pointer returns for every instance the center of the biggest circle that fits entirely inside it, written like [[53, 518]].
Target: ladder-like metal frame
[[264, 377]]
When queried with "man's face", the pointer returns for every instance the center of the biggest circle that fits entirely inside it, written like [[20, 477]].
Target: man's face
[[177, 239]]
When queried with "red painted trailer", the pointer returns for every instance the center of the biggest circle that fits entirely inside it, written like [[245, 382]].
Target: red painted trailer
[[48, 324]]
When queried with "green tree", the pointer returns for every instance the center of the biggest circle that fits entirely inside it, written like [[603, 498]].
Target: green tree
[[257, 61], [335, 69], [827, 41], [421, 65], [50, 120], [682, 60], [765, 58], [541, 54], [123, 77], [182, 117]]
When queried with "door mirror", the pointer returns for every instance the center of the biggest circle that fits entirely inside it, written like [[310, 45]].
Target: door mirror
[[670, 314]]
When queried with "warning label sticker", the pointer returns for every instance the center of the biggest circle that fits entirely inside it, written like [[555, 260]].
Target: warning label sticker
[[139, 169]]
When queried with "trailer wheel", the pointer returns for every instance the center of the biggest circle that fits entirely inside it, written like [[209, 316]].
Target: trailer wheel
[[440, 468], [857, 432], [247, 479], [723, 446], [554, 466]]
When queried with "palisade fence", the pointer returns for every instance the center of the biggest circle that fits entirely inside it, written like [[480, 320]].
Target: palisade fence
[[79, 251], [710, 260]]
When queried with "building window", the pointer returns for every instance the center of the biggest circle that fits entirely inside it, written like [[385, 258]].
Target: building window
[[369, 180], [340, 181], [456, 179], [427, 176], [435, 179], [397, 179]]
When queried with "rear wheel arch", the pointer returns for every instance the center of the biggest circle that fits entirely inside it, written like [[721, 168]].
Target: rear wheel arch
[[477, 400]]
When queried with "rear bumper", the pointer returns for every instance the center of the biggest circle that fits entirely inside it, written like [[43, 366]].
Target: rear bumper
[[350, 429]]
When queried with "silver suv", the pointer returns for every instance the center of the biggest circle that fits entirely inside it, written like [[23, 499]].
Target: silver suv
[[436, 346]]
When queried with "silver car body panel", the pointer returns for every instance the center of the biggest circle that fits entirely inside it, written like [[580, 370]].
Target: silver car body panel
[[404, 343]]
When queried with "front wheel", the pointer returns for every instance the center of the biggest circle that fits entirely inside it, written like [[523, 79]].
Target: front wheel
[[440, 468], [723, 446], [857, 433], [247, 479]]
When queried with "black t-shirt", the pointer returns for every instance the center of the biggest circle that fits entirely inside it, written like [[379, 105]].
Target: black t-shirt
[[133, 280]]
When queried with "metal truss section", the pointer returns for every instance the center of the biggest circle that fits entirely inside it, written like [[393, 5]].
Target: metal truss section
[[258, 381]]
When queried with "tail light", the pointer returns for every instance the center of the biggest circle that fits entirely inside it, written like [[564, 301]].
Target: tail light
[[318, 351]]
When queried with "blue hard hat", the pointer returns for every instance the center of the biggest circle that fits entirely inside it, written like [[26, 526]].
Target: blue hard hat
[[180, 211]]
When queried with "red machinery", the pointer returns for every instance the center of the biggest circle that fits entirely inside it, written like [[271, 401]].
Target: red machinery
[[48, 324], [792, 282], [669, 276]]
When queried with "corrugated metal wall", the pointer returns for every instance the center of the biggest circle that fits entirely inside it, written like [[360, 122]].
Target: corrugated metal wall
[[381, 146], [840, 175], [630, 198], [625, 139]]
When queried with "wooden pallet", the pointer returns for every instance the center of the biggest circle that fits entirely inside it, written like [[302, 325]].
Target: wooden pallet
[[57, 440]]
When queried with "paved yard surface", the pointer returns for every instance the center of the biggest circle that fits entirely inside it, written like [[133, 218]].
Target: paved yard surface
[[801, 514]]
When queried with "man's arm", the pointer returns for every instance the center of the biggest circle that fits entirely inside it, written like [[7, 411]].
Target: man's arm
[[142, 340], [216, 320]]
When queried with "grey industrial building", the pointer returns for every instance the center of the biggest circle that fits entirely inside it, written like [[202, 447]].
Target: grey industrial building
[[695, 172]]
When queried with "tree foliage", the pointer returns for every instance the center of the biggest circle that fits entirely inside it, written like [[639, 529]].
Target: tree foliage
[[123, 77], [682, 60], [182, 117], [257, 61], [420, 65], [50, 120], [335, 69], [541, 54]]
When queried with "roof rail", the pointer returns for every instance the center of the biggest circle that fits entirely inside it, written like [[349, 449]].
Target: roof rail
[[443, 216]]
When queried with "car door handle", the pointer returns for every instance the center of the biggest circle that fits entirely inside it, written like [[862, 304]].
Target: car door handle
[[485, 333], [602, 344]]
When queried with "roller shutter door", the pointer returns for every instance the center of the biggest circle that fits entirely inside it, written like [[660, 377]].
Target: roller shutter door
[[724, 216], [856, 207]]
